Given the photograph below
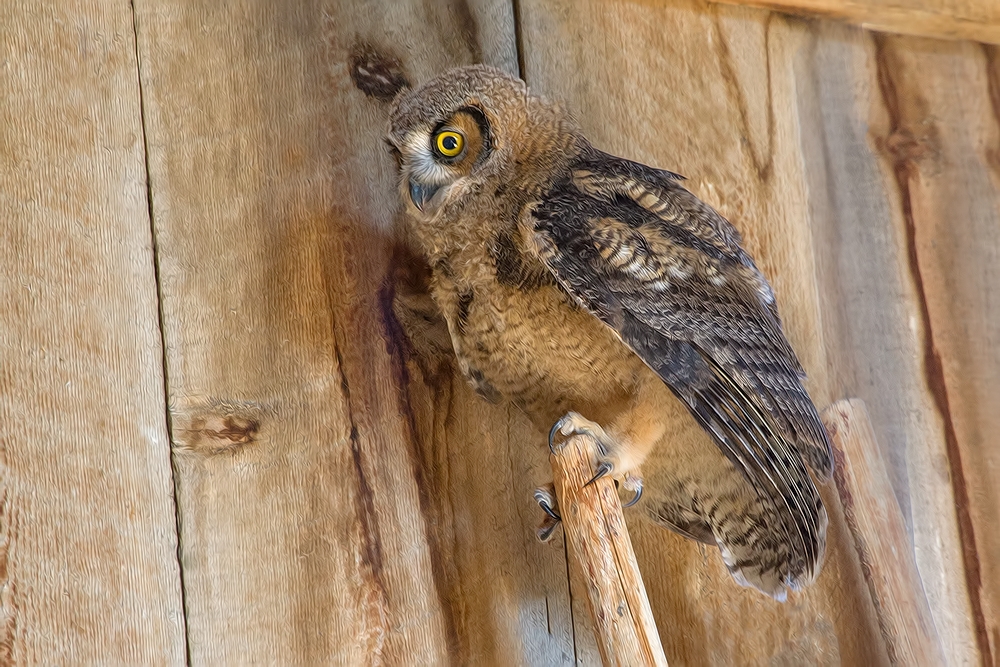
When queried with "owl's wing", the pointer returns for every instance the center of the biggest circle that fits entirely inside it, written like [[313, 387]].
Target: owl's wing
[[667, 272]]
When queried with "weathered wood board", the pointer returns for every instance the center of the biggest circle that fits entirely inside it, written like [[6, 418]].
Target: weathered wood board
[[320, 519], [88, 564], [875, 332], [976, 20], [943, 108], [897, 317]]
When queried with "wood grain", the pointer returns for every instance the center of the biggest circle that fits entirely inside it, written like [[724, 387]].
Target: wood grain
[[88, 567], [600, 547], [975, 20], [943, 158], [343, 495], [301, 533], [336, 503], [874, 329], [881, 538]]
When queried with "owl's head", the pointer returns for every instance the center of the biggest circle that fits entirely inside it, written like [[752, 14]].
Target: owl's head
[[459, 132]]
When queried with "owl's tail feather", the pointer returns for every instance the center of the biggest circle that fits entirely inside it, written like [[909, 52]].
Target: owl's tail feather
[[760, 507], [722, 509], [772, 536]]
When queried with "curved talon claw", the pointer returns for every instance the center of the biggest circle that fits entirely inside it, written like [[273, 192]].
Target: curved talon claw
[[635, 498], [548, 510], [602, 469], [546, 498], [545, 531], [552, 435]]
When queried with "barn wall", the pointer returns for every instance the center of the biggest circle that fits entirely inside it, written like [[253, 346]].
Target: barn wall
[[217, 446]]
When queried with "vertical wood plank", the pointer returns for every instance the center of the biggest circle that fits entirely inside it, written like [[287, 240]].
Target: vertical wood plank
[[941, 144], [88, 567], [712, 92], [341, 500], [872, 320]]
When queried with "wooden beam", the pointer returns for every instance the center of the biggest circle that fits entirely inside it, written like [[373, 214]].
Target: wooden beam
[[88, 538], [333, 501], [943, 164], [599, 544], [861, 96], [976, 20], [881, 538], [301, 535]]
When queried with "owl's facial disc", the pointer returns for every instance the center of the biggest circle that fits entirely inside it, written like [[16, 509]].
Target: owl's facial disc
[[435, 160]]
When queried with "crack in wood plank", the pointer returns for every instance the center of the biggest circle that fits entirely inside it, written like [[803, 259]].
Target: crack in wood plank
[[168, 417]]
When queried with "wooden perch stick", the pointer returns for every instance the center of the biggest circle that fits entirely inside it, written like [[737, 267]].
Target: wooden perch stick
[[880, 537], [599, 541]]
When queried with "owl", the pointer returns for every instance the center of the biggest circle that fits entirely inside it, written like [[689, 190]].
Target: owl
[[600, 296]]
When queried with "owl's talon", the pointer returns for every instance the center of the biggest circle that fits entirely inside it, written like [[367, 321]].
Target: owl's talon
[[552, 434], [548, 510], [638, 494], [633, 483], [546, 529], [545, 496], [603, 468]]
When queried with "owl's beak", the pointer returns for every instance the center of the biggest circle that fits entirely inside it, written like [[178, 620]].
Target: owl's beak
[[421, 194]]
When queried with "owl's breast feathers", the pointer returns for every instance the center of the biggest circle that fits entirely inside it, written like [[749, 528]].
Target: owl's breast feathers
[[668, 275]]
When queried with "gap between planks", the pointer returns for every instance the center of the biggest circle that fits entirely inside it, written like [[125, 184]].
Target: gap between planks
[[155, 258]]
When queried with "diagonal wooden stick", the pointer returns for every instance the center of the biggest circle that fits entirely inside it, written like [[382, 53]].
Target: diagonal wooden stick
[[880, 538], [599, 542], [626, 633]]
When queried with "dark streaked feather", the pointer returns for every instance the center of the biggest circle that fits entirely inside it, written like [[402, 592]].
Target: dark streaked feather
[[668, 274]]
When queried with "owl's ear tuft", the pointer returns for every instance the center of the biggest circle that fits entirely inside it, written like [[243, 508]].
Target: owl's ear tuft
[[376, 73]]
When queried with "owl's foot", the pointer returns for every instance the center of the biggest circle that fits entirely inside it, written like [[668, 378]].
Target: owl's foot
[[545, 496], [575, 424]]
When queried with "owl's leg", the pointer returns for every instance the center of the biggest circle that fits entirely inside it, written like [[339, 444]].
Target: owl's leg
[[631, 432], [628, 430]]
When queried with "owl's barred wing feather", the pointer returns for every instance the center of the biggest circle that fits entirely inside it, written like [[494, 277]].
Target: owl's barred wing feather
[[668, 274]]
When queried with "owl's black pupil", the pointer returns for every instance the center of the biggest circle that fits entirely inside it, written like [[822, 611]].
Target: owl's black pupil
[[450, 143]]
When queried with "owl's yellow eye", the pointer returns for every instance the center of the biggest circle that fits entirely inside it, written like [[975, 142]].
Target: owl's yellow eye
[[449, 143]]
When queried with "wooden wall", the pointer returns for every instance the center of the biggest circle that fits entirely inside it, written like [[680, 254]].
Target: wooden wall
[[216, 446]]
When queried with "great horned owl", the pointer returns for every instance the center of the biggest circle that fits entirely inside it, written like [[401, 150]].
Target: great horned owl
[[598, 294]]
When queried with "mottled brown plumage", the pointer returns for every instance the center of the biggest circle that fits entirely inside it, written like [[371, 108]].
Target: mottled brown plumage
[[592, 289]]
